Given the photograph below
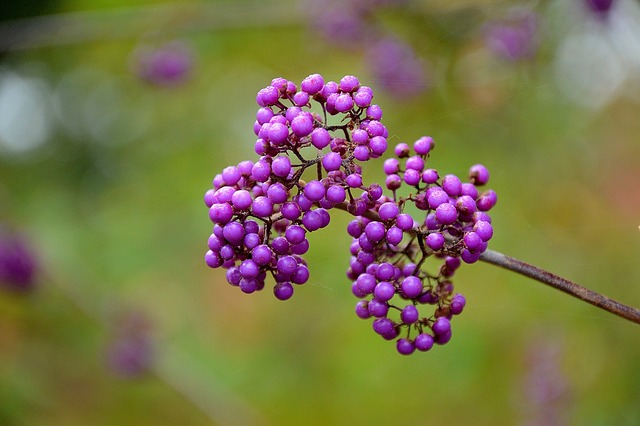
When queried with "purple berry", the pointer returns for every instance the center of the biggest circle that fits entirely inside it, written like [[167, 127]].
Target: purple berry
[[221, 213], [361, 153], [478, 174], [402, 150], [233, 232], [261, 171], [312, 84], [487, 200], [404, 221], [423, 342], [472, 241], [301, 275], [375, 231], [331, 161], [378, 145], [360, 137], [423, 145], [430, 176], [343, 102], [314, 190], [483, 229], [249, 269], [415, 163], [233, 276], [437, 197], [241, 199], [366, 282], [374, 112], [446, 214], [262, 207], [409, 314], [354, 180], [362, 309], [441, 326], [286, 265], [394, 235], [277, 193], [283, 290], [302, 125], [301, 99], [212, 259], [466, 205], [435, 241], [348, 83], [405, 347], [388, 210], [363, 97], [336, 194], [290, 210], [383, 326], [457, 304], [411, 287], [320, 138], [384, 291], [312, 220], [378, 309], [452, 185]]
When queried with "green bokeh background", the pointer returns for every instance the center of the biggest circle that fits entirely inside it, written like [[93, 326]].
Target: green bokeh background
[[112, 203]]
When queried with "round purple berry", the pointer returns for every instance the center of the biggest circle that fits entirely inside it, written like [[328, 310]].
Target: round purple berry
[[435, 241], [283, 290], [262, 206], [446, 214], [441, 326], [405, 346], [457, 304], [423, 145], [404, 221], [452, 185], [362, 309], [314, 190], [375, 231], [302, 125], [409, 314], [331, 161], [295, 234], [478, 174], [320, 138], [423, 342], [411, 287], [343, 102], [312, 84], [384, 291], [487, 200]]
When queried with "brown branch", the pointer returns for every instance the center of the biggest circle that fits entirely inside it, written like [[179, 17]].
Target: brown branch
[[546, 277], [562, 284]]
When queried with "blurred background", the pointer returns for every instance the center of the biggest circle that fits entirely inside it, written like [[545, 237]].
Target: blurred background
[[115, 117]]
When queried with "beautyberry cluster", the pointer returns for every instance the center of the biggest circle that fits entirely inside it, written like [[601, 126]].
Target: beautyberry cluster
[[262, 210], [390, 248], [310, 142]]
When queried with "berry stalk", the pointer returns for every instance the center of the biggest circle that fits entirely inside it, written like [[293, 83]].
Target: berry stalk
[[562, 284], [548, 278]]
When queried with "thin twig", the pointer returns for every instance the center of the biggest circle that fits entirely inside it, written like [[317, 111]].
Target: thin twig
[[562, 284], [546, 277]]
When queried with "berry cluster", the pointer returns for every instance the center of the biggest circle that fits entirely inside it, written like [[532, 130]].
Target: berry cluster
[[262, 210], [390, 248], [308, 166]]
